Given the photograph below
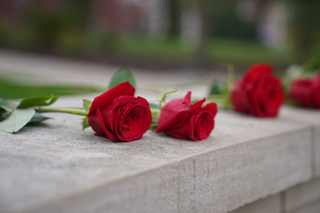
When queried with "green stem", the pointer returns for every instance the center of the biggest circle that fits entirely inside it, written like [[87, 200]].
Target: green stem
[[70, 111], [155, 111]]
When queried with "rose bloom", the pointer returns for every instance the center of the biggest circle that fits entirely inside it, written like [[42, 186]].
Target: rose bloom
[[306, 92], [259, 93], [181, 119], [118, 115]]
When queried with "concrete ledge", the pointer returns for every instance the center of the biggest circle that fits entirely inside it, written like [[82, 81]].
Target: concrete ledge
[[302, 195], [303, 198], [312, 208], [271, 204], [311, 117], [55, 168]]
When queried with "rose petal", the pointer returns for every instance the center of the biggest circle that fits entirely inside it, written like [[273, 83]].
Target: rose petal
[[121, 89], [174, 107], [95, 124], [106, 113], [183, 130], [302, 92], [196, 106], [132, 117], [239, 98], [106, 131], [173, 120], [178, 105], [211, 107], [257, 71], [176, 135], [187, 99], [204, 124]]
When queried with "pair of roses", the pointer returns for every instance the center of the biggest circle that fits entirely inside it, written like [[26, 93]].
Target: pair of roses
[[260, 93], [119, 116]]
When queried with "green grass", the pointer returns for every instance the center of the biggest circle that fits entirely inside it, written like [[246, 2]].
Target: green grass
[[154, 47], [240, 53], [14, 90]]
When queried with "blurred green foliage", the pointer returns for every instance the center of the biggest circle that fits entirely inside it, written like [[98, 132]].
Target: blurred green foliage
[[227, 24], [241, 53], [64, 31], [304, 26], [15, 90]]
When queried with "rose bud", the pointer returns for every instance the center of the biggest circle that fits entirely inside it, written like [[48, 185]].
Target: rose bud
[[183, 120], [259, 93], [118, 115], [306, 92]]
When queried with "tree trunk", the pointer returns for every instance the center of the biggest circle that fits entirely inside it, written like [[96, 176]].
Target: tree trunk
[[174, 9], [304, 27], [205, 7]]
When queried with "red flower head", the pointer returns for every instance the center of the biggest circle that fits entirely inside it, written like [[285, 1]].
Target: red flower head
[[306, 92], [259, 93], [118, 115], [187, 121]]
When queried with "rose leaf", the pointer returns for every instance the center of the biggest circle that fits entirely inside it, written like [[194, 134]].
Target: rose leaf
[[16, 120], [86, 104], [37, 101], [38, 117], [216, 88], [3, 102], [85, 123], [4, 106], [120, 76]]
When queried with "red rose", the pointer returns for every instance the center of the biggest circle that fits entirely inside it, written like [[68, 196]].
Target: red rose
[[259, 93], [306, 92], [118, 115], [187, 121]]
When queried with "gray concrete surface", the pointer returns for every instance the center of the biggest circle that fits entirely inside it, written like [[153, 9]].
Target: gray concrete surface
[[310, 117], [53, 167], [271, 204], [37, 69]]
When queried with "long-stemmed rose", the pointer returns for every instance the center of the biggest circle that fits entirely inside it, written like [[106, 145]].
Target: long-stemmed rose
[[259, 93], [183, 120], [306, 92], [116, 114]]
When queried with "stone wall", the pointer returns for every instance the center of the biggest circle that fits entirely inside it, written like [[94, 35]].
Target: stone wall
[[55, 168], [303, 198]]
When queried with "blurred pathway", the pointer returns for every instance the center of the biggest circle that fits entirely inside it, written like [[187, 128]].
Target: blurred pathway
[[37, 69]]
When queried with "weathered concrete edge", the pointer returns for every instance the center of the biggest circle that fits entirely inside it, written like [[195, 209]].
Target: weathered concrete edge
[[315, 148], [164, 189]]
